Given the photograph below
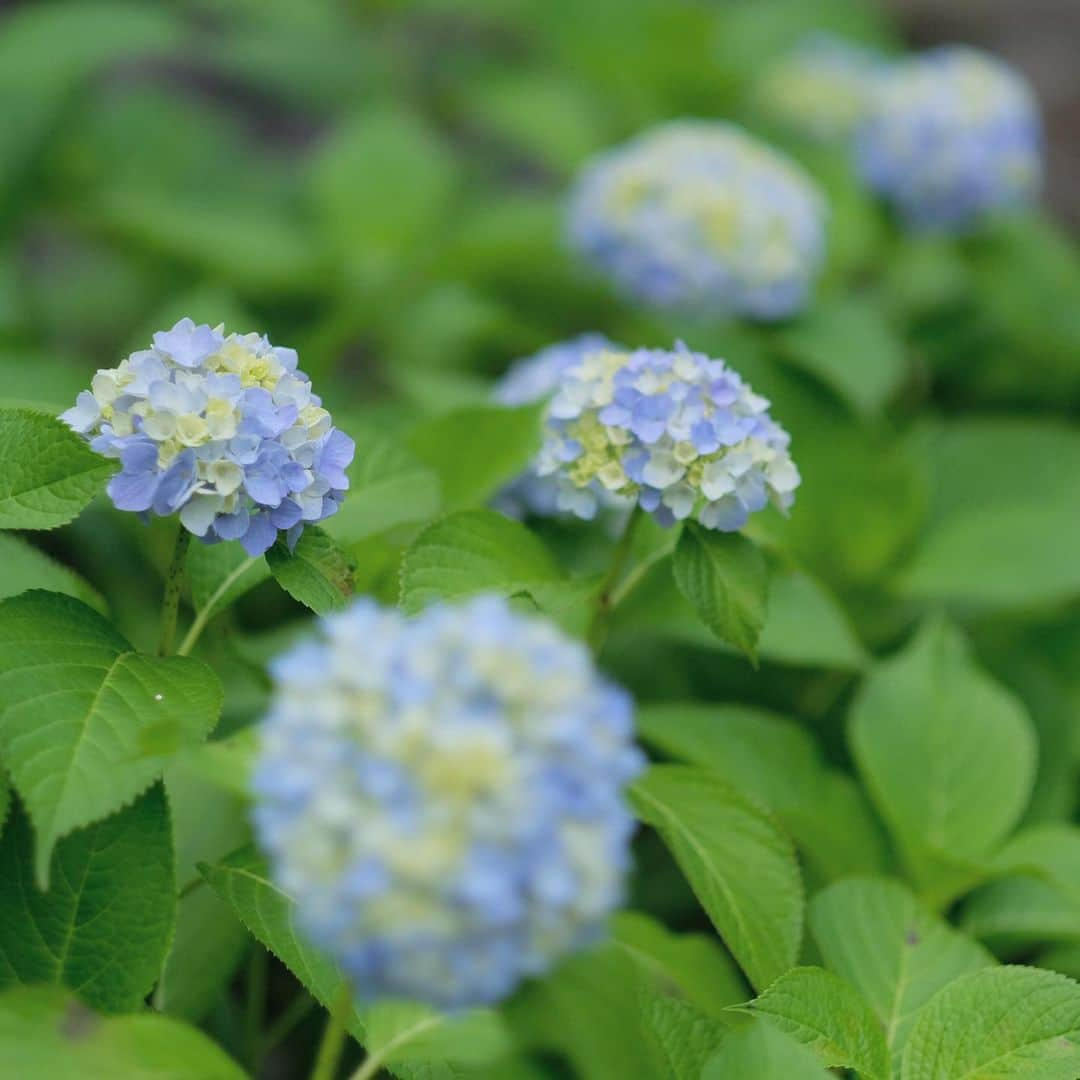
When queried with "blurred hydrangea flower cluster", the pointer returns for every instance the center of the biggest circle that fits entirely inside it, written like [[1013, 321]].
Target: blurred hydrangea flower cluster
[[951, 134], [699, 216], [821, 88], [223, 430], [677, 431], [533, 379], [443, 797]]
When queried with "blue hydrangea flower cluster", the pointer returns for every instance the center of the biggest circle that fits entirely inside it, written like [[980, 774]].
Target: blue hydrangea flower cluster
[[821, 88], [443, 796], [677, 431], [533, 379], [951, 134], [699, 216], [224, 431]]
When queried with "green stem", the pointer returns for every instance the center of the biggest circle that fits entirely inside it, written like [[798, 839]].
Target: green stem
[[255, 1006], [294, 1013], [333, 1039], [202, 617], [605, 598], [174, 580], [374, 1062]]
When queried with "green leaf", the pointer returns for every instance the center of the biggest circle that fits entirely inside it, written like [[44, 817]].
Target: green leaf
[[726, 578], [822, 1011], [806, 625], [381, 184], [476, 450], [738, 862], [85, 723], [103, 928], [606, 985], [210, 940], [317, 573], [695, 963], [416, 1032], [759, 1050], [219, 574], [49, 473], [947, 755], [876, 934], [1000, 536], [998, 1022], [227, 763], [850, 347], [776, 763], [1038, 898], [44, 1033], [388, 486], [24, 567], [469, 552], [683, 1039]]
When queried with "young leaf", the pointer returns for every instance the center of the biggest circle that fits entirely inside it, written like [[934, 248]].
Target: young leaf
[[726, 578], [24, 567], [388, 486], [738, 862], [476, 450], [760, 1050], [469, 552], [683, 1039], [317, 573], [85, 723], [874, 933], [822, 1011], [1001, 1021], [695, 963], [45, 1033], [49, 473], [103, 928], [417, 1033], [946, 753]]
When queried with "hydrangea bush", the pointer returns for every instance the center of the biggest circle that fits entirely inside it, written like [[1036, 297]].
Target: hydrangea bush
[[692, 698]]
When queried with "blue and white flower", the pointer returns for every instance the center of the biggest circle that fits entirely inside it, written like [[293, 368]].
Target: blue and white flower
[[536, 378], [443, 797], [678, 432], [820, 89], [951, 135], [701, 217], [222, 430]]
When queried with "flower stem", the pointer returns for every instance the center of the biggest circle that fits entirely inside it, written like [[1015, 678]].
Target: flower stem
[[202, 617], [598, 628], [333, 1039], [174, 580]]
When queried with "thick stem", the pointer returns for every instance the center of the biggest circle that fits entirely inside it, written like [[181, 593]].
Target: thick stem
[[333, 1040], [174, 581], [599, 626]]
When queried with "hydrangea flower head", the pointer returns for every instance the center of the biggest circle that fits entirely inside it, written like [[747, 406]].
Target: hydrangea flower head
[[951, 134], [699, 216], [223, 430], [443, 797], [820, 88], [678, 432], [533, 379]]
